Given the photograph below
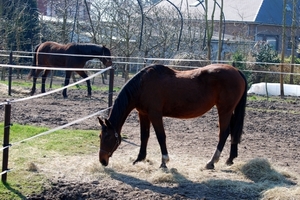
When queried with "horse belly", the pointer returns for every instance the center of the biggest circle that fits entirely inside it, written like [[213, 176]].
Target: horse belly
[[187, 109]]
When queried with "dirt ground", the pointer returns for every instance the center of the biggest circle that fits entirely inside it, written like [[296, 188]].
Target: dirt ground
[[271, 131]]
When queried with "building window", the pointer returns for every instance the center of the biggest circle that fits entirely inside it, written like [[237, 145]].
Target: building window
[[272, 40], [289, 46]]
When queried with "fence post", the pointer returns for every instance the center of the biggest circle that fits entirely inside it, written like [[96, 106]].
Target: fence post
[[6, 140], [10, 73], [111, 86]]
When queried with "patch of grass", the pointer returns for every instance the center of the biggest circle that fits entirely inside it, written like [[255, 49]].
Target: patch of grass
[[287, 99], [24, 177], [256, 98], [28, 84], [20, 83]]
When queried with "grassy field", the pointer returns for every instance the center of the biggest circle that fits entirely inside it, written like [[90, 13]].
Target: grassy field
[[22, 179]]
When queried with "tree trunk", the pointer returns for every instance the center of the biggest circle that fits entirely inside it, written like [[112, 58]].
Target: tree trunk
[[282, 48], [220, 32], [293, 40], [209, 29]]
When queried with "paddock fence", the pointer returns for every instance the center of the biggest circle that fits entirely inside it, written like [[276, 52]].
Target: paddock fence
[[134, 63], [7, 116], [8, 103]]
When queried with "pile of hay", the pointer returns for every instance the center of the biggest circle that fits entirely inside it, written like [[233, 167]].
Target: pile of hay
[[275, 185], [14, 90], [259, 170]]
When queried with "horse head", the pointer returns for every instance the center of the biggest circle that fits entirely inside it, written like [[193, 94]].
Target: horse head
[[109, 141], [106, 60]]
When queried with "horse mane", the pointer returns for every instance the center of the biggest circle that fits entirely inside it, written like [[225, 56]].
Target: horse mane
[[131, 89], [88, 48], [125, 97]]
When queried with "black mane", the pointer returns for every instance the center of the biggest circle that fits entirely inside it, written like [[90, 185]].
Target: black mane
[[125, 101], [90, 49]]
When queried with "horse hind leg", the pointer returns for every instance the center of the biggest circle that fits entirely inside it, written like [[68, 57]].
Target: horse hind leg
[[224, 121], [44, 77], [32, 91], [35, 73], [67, 81], [216, 156], [233, 153]]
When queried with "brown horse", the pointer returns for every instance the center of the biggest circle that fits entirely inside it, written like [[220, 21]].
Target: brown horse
[[47, 55], [158, 91]]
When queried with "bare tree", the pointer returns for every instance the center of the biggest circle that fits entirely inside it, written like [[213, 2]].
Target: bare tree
[[99, 22], [209, 23], [162, 30], [220, 31], [19, 22], [123, 18]]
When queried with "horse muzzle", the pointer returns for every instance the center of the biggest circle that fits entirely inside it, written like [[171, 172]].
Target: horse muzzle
[[104, 162], [108, 63], [103, 158]]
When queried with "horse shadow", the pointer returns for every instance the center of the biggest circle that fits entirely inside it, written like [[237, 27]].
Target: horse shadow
[[13, 190], [181, 187]]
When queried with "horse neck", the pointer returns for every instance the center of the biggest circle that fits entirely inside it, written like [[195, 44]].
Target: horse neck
[[90, 49], [119, 113], [96, 50], [125, 102]]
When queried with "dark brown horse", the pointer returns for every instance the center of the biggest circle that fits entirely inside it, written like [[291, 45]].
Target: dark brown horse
[[47, 54], [158, 91]]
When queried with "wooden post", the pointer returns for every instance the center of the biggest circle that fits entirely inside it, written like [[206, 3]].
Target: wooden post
[[111, 86], [10, 73], [6, 140]]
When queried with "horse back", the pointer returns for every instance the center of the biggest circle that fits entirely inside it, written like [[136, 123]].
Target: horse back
[[47, 54], [191, 93]]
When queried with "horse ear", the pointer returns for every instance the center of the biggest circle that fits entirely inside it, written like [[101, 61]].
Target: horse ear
[[108, 124], [100, 121]]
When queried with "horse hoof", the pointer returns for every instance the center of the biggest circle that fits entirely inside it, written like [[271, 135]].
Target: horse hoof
[[209, 166], [229, 162], [163, 166], [137, 160]]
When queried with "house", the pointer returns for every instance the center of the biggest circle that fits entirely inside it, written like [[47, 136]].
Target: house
[[255, 20], [49, 8]]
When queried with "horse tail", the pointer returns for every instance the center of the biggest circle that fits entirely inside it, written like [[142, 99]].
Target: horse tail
[[32, 71], [237, 119], [233, 64]]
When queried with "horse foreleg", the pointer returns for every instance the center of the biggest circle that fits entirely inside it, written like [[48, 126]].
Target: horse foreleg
[[88, 82], [224, 121], [145, 132], [161, 137], [67, 81]]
